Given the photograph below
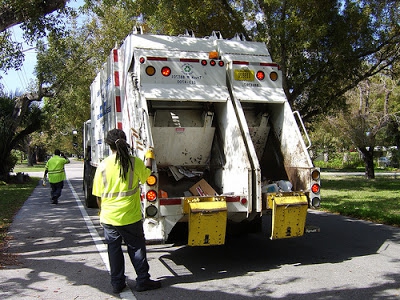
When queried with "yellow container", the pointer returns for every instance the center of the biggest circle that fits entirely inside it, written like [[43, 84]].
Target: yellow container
[[207, 223], [289, 213]]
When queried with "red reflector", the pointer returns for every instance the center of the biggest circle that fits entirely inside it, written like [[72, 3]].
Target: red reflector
[[243, 201], [151, 195], [166, 71], [232, 199], [194, 60], [157, 58], [240, 62], [315, 188], [118, 103], [171, 201], [274, 65], [116, 78], [260, 75], [142, 60]]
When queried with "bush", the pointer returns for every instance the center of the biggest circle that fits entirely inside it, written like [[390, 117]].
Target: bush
[[336, 161]]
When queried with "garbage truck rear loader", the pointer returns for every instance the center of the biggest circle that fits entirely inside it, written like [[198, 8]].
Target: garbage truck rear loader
[[210, 118]]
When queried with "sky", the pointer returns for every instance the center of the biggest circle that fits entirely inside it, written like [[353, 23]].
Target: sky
[[18, 81]]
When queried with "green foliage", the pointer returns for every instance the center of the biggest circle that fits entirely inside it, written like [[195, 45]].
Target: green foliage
[[325, 48], [322, 47], [36, 19], [203, 17], [6, 110], [341, 161], [68, 65], [14, 128], [11, 56]]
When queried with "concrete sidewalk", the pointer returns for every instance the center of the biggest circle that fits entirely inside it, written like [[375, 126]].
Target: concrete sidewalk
[[54, 251]]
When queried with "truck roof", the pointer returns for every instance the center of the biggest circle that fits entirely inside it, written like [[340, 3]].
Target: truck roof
[[242, 48], [172, 43]]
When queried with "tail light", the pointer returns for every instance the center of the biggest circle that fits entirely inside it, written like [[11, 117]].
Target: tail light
[[315, 188], [151, 211], [316, 202], [212, 62], [151, 180], [151, 195], [150, 70], [260, 75], [273, 76], [315, 197], [315, 175], [151, 201], [166, 71]]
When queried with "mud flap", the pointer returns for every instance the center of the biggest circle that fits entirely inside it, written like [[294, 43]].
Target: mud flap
[[289, 213], [207, 223]]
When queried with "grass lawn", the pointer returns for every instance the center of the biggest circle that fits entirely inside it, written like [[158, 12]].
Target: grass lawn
[[12, 197], [39, 167], [376, 200]]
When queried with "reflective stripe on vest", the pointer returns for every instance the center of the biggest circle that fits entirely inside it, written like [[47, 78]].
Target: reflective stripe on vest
[[56, 171], [131, 191]]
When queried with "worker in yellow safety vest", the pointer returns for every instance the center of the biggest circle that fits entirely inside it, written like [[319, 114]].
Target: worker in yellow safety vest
[[55, 169], [116, 186]]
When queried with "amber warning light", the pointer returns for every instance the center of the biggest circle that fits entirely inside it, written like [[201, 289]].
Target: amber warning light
[[213, 55]]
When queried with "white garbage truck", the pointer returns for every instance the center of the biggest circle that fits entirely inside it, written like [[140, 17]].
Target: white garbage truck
[[210, 118]]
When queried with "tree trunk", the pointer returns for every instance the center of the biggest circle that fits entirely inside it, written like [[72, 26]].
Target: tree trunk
[[31, 156], [368, 157]]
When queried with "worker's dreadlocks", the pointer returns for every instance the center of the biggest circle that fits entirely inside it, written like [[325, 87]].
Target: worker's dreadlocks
[[116, 139]]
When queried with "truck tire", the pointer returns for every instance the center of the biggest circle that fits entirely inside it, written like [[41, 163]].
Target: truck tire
[[88, 173]]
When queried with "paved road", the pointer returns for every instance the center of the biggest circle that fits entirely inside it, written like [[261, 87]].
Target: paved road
[[61, 256]]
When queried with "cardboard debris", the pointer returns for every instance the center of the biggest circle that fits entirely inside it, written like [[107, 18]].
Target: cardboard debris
[[179, 172], [175, 172], [202, 188]]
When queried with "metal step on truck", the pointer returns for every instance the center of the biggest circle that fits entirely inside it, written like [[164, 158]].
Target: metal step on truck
[[210, 118]]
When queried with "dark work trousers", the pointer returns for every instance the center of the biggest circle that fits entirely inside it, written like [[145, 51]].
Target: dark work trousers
[[56, 189], [133, 236]]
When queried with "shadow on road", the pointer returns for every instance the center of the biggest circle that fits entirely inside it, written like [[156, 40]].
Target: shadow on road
[[55, 252], [341, 239]]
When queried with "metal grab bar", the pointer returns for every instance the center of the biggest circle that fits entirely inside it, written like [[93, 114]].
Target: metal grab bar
[[304, 128]]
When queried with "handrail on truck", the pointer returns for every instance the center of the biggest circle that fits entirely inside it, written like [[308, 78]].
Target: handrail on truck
[[296, 112]]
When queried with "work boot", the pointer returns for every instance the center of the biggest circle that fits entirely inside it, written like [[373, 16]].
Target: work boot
[[119, 289], [148, 285]]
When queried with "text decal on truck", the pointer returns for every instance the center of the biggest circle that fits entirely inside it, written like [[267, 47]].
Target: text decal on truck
[[104, 109]]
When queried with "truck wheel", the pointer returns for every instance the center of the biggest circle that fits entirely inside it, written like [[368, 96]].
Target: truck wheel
[[88, 173], [90, 200]]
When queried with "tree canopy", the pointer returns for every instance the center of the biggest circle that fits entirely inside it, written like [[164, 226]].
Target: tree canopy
[[36, 19], [325, 48]]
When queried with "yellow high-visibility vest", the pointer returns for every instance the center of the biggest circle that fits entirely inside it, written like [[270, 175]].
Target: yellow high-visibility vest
[[120, 199], [55, 168]]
